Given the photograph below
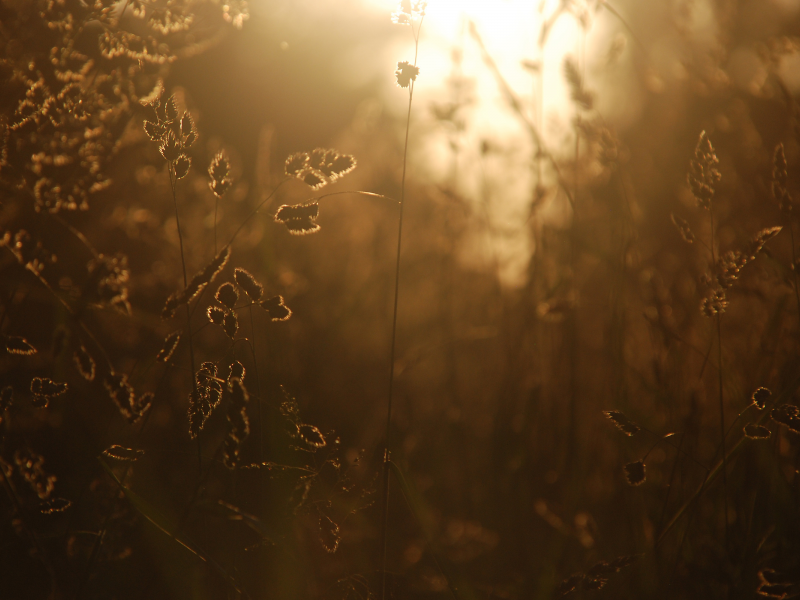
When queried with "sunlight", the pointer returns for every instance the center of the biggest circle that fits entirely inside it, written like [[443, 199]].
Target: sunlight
[[496, 153]]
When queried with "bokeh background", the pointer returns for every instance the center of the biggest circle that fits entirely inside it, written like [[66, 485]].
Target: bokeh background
[[542, 282]]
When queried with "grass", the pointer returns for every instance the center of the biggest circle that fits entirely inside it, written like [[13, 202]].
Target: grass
[[185, 417]]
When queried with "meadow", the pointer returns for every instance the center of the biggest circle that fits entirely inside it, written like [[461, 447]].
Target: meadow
[[275, 325]]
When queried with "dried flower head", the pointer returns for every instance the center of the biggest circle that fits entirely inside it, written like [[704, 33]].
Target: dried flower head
[[623, 423], [761, 238], [703, 173], [406, 73], [635, 472], [236, 370], [219, 171]]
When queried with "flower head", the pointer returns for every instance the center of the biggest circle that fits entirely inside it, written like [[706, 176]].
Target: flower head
[[408, 10]]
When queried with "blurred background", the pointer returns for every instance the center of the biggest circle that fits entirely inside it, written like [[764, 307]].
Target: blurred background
[[543, 281]]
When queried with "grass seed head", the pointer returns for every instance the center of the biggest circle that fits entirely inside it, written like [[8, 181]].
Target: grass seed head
[[84, 363], [406, 73], [757, 432], [760, 397], [18, 345], [635, 472], [623, 423], [169, 346], [248, 284], [227, 295]]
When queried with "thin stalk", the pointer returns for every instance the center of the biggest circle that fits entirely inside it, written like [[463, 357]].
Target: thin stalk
[[216, 206], [386, 452], [794, 267], [721, 397], [258, 387], [172, 178]]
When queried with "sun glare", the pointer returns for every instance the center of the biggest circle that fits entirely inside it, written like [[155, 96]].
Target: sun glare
[[459, 38]]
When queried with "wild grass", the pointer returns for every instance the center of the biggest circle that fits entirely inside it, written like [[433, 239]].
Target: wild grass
[[193, 398]]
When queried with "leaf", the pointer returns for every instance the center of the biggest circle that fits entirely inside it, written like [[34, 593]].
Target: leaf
[[123, 454]]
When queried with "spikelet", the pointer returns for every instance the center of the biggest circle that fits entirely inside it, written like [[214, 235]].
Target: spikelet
[[227, 295], [623, 423], [216, 315], [53, 506], [408, 11], [84, 363], [230, 324], [329, 535], [703, 173], [788, 415], [219, 171], [320, 167], [44, 390], [780, 178], [238, 424], [580, 95], [169, 346], [198, 282], [311, 435], [18, 345], [757, 432], [405, 74], [122, 454], [299, 219], [683, 228], [635, 472], [248, 284], [760, 397], [31, 466], [236, 370], [277, 310]]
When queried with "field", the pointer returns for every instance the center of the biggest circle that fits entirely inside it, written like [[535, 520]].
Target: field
[[282, 318]]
